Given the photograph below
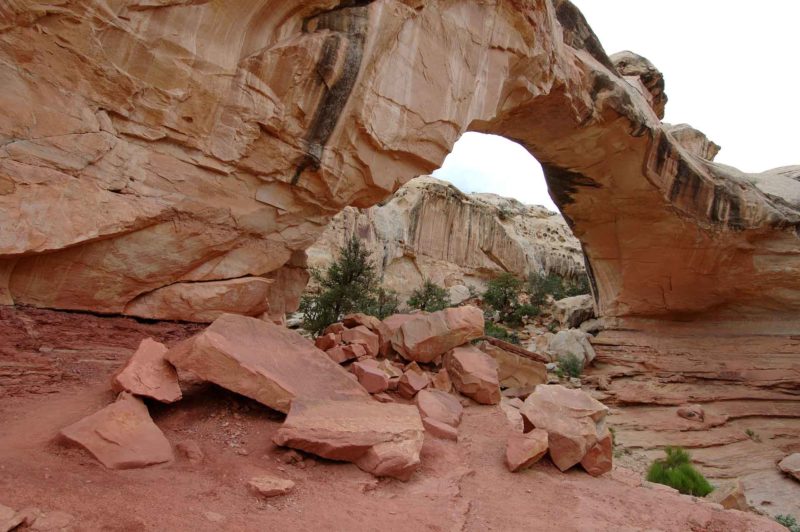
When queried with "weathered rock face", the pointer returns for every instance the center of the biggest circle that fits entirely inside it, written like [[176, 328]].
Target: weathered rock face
[[149, 144], [430, 230]]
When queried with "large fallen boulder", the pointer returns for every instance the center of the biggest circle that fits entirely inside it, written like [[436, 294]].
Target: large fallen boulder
[[572, 311], [384, 439], [148, 374], [571, 342], [263, 361], [121, 435], [425, 337], [515, 371], [373, 324], [474, 374], [574, 422]]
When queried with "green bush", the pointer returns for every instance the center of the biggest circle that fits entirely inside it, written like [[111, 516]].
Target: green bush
[[501, 333], [571, 365], [788, 521], [676, 470], [384, 304], [348, 285], [540, 286], [430, 297], [502, 294]]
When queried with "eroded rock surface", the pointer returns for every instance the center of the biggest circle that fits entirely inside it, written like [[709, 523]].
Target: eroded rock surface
[[147, 148]]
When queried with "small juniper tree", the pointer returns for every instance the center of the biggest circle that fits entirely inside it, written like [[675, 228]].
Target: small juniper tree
[[676, 470], [348, 285], [502, 294], [385, 303], [430, 297]]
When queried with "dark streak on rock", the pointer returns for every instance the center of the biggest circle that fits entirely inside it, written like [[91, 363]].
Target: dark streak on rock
[[590, 274], [563, 184], [349, 22]]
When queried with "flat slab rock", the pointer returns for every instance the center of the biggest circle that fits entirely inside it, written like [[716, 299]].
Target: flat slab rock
[[148, 374], [384, 439], [263, 361], [121, 435]]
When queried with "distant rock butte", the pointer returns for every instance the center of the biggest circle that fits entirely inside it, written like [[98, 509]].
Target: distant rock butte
[[153, 145], [430, 230]]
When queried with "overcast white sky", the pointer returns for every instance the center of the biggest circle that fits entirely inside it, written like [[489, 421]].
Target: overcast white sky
[[731, 70]]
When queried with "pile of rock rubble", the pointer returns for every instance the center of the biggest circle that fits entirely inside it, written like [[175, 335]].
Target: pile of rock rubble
[[367, 391]]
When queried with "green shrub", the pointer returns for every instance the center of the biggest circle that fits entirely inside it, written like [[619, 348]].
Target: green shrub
[[501, 333], [521, 312], [430, 297], [571, 365], [348, 285], [540, 286], [384, 304], [502, 294], [676, 470], [788, 521]]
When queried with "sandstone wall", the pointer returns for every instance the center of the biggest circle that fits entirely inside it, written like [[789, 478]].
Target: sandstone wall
[[154, 144], [430, 230]]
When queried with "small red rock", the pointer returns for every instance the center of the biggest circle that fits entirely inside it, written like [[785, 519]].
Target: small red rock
[[335, 328], [327, 341], [412, 381], [440, 406], [438, 429], [474, 374], [363, 336], [269, 486], [148, 374], [343, 353], [371, 376], [524, 450], [598, 459]]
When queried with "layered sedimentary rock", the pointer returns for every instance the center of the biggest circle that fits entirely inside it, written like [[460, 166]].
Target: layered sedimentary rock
[[146, 144], [431, 230]]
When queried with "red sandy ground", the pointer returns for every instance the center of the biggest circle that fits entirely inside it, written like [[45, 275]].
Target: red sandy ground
[[55, 368]]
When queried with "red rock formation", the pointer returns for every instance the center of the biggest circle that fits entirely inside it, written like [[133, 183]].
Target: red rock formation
[[148, 147]]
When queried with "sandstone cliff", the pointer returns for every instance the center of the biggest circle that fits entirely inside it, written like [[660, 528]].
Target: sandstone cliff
[[150, 146], [430, 230]]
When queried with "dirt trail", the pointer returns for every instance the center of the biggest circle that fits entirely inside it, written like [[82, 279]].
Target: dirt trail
[[460, 486]]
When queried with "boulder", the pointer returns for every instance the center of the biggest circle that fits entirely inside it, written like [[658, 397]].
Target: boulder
[[334, 328], [413, 380], [574, 422], [265, 362], [791, 465], [345, 353], [9, 518], [148, 374], [384, 439], [428, 336], [269, 486], [327, 341], [370, 375], [441, 381], [204, 301], [440, 406], [593, 326], [571, 312], [458, 293], [511, 408], [525, 449], [474, 374], [599, 457], [730, 494], [121, 435], [362, 336], [515, 371], [571, 341], [373, 324]]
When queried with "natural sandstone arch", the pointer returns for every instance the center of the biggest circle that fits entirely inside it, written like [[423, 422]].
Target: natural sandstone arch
[[173, 144]]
